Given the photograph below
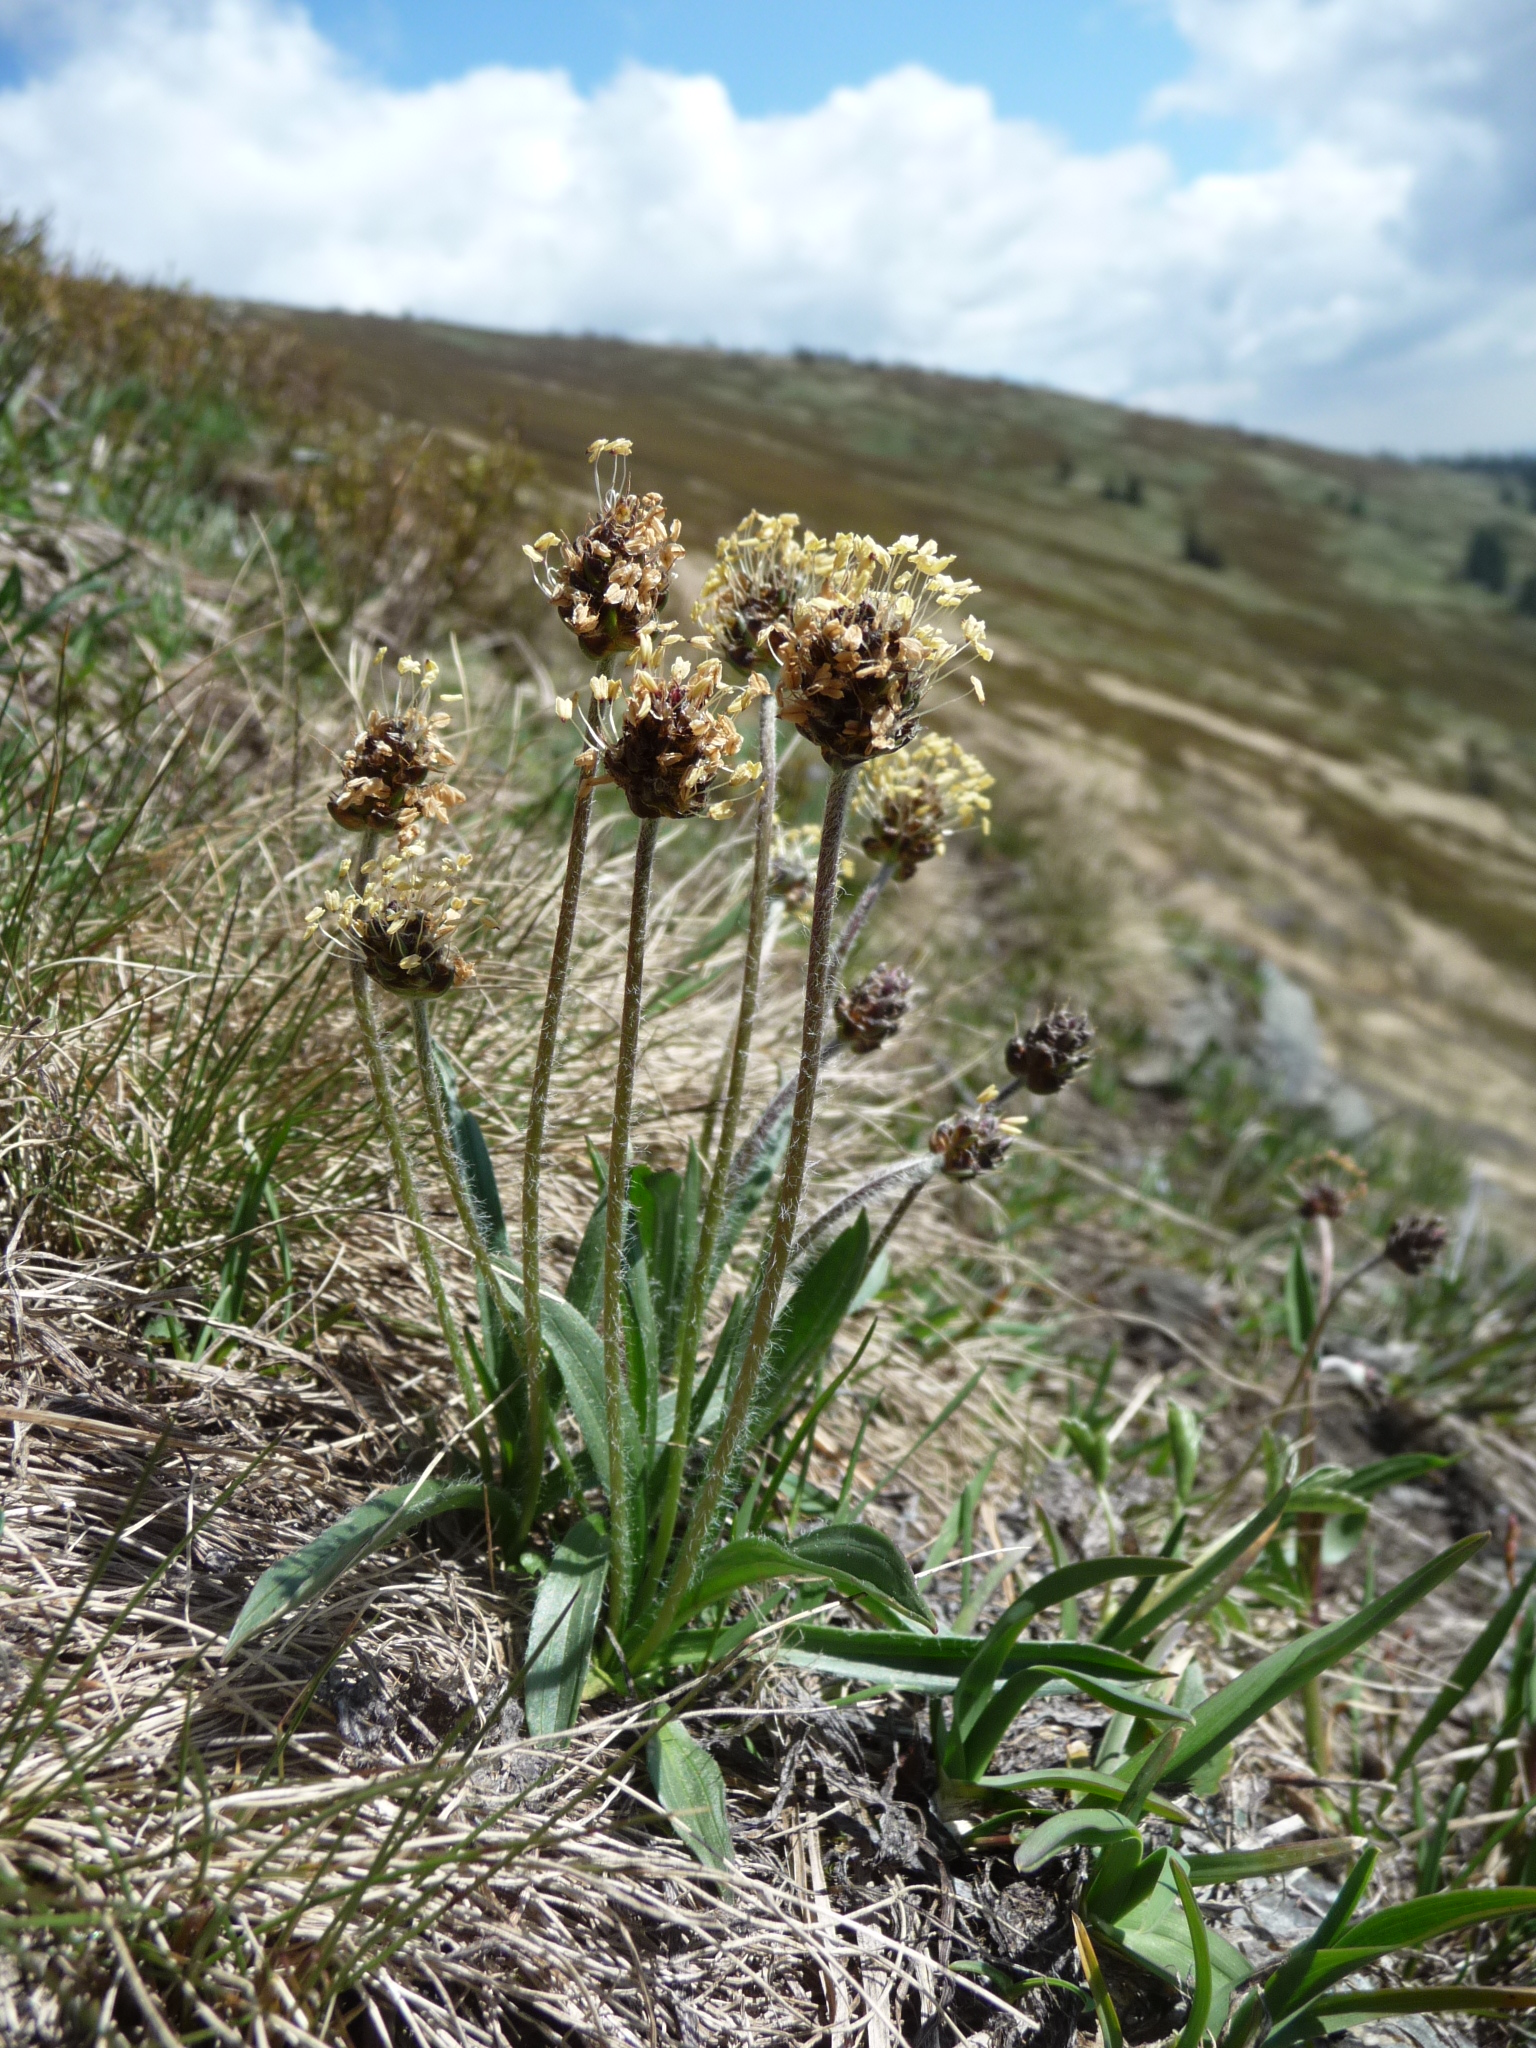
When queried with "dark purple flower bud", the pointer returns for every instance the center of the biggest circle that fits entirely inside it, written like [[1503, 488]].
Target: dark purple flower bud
[[1414, 1243], [1051, 1053]]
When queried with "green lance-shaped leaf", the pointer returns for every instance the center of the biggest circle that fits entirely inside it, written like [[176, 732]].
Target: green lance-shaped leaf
[[565, 1616], [1237, 1866], [1285, 1671], [1078, 1827], [1091, 1445], [1279, 1995], [1410, 1926], [809, 1321], [974, 1693], [1202, 1991], [584, 1283], [1337, 2010], [689, 1785], [1467, 1672], [1200, 1580], [860, 1562], [1184, 1443], [1300, 1300], [935, 1664], [1090, 1785], [307, 1573]]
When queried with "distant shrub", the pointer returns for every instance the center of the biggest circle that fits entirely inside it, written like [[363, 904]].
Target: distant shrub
[[1126, 490], [1525, 597], [1200, 549], [1487, 560]]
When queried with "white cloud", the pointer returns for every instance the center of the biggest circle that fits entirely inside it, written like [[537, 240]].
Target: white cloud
[[1369, 285]]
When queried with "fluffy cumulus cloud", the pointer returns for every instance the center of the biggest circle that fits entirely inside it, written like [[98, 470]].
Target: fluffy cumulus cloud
[[1370, 281]]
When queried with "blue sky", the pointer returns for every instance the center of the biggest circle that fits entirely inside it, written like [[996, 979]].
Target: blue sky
[[1085, 67], [1316, 217]]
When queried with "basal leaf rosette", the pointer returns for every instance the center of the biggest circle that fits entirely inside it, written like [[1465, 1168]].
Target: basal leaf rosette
[[862, 652]]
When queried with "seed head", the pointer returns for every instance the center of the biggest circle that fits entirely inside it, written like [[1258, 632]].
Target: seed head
[[870, 1013], [1051, 1053], [759, 570], [609, 583], [668, 743], [974, 1140], [1333, 1181], [386, 772], [401, 927], [914, 800], [862, 651], [1414, 1243]]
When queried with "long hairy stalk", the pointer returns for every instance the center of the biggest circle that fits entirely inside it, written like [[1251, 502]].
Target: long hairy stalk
[[533, 1146], [621, 1481], [775, 1260], [720, 1173]]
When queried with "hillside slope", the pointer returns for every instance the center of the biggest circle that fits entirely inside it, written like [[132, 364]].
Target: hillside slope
[[1323, 748]]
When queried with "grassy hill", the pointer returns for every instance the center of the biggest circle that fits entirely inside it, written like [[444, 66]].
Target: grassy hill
[[1247, 674]]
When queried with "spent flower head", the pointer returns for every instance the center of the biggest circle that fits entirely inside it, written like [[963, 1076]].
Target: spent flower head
[[759, 570], [871, 1012], [974, 1140], [914, 800], [610, 581], [863, 648], [400, 928], [1051, 1053], [388, 771], [1414, 1243], [667, 734]]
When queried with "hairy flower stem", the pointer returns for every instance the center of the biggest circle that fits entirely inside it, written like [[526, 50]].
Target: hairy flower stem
[[720, 1173], [410, 1202], [533, 1148], [905, 1173], [622, 1502], [470, 1219], [733, 1429], [1309, 1528], [765, 1130], [894, 1221], [858, 917]]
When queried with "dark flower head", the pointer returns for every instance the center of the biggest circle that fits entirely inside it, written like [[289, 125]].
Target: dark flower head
[[402, 926], [1333, 1181], [610, 582], [387, 770], [667, 745], [915, 799], [860, 654], [752, 587], [1414, 1243], [1051, 1053], [870, 1013], [974, 1140]]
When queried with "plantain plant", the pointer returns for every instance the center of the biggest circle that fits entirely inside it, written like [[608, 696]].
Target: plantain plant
[[642, 1425]]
